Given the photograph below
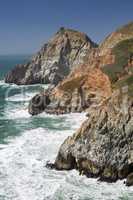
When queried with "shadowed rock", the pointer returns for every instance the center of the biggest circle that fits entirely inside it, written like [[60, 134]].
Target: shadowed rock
[[129, 181], [103, 146]]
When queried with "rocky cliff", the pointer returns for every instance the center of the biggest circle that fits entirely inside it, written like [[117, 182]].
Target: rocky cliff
[[101, 85], [55, 60], [80, 90], [107, 67], [103, 146]]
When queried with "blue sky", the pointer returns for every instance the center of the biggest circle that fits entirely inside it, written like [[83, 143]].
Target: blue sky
[[26, 24]]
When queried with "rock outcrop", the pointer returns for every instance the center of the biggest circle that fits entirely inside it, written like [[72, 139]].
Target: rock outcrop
[[103, 87], [55, 60], [98, 81], [122, 33], [103, 146], [79, 91], [109, 66]]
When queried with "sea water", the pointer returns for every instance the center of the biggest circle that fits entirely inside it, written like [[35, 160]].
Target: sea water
[[27, 143]]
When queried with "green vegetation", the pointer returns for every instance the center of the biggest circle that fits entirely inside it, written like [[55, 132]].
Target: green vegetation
[[122, 51], [128, 81], [62, 30], [127, 29]]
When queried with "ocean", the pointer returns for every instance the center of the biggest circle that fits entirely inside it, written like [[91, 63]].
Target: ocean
[[27, 143]]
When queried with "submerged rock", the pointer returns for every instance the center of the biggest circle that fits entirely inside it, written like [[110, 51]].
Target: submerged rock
[[54, 61]]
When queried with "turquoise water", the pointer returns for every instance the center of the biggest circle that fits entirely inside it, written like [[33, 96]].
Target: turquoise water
[[9, 61], [14, 102], [27, 143]]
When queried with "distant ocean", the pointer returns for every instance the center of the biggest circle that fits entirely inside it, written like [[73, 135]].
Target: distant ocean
[[27, 143], [9, 61]]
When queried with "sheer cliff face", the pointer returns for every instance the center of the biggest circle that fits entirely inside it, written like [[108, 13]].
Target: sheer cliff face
[[55, 60], [83, 88], [106, 67], [103, 146]]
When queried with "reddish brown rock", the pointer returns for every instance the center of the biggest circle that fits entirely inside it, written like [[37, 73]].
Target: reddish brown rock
[[82, 88], [102, 147]]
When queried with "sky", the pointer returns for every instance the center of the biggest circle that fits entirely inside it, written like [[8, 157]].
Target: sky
[[25, 25]]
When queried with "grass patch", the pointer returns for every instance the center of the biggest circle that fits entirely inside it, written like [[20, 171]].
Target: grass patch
[[122, 51], [127, 29], [128, 81]]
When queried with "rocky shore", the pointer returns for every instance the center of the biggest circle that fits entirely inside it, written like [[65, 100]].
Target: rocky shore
[[103, 146], [97, 80]]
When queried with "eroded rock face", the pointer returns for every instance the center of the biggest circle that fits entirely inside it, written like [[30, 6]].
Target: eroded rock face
[[103, 146], [89, 83], [55, 60], [82, 88]]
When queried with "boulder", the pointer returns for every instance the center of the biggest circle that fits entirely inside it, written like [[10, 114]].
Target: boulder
[[38, 103]]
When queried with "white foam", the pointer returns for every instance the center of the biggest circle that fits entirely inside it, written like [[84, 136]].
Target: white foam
[[18, 113], [23, 175], [74, 119], [2, 83], [21, 97], [22, 165]]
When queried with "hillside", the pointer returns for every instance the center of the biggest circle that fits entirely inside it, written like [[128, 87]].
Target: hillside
[[122, 33], [103, 87], [93, 81]]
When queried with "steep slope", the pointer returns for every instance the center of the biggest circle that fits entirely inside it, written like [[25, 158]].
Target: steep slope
[[123, 64], [103, 146], [82, 88], [55, 59], [107, 67], [123, 33]]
